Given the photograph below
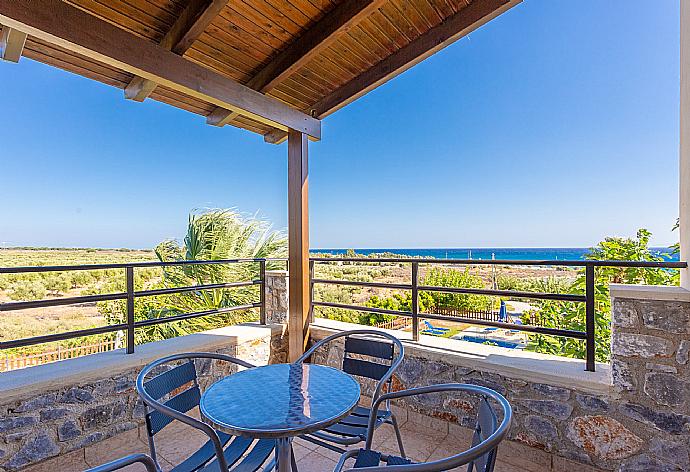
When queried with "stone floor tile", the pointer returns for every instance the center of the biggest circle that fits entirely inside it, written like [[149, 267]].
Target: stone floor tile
[[114, 448], [299, 450], [179, 442], [418, 445], [530, 459], [561, 464], [434, 424], [304, 443], [315, 462], [70, 462], [460, 434], [506, 467]]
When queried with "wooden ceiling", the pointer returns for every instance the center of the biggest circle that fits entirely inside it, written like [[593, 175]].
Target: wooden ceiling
[[313, 55]]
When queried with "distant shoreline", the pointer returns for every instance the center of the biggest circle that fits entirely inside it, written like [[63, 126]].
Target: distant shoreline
[[516, 254]]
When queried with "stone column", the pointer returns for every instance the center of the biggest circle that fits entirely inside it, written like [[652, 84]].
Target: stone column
[[276, 296], [684, 154], [649, 362]]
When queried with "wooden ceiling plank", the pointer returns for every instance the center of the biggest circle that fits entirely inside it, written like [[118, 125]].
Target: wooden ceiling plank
[[316, 39], [187, 28], [468, 19], [78, 31], [11, 43]]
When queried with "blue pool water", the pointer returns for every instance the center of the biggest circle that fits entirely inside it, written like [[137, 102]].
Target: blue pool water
[[497, 342]]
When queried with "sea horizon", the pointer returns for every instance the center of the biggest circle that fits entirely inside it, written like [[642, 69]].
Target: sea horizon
[[516, 253]]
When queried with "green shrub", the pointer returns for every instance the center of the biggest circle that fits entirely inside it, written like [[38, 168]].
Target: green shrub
[[26, 291]]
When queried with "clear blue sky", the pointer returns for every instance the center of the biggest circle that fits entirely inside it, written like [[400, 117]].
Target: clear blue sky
[[554, 125]]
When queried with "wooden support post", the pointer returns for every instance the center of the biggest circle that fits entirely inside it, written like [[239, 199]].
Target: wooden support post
[[298, 238]]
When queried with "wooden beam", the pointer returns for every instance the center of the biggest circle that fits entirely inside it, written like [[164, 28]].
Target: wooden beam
[[275, 137], [306, 47], [221, 117], [193, 20], [58, 23], [453, 28], [312, 42], [11, 43], [298, 239]]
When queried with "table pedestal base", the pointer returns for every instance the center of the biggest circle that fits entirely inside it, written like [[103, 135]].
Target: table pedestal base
[[284, 454]]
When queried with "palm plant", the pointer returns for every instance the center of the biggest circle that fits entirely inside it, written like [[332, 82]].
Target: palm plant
[[212, 235]]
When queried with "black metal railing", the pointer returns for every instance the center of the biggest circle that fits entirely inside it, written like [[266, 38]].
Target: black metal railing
[[130, 295], [588, 336]]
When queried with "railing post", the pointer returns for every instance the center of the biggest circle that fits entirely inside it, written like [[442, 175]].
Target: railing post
[[129, 276], [589, 317], [262, 276], [415, 301]]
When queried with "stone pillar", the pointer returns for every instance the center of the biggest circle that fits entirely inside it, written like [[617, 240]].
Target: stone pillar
[[649, 362], [684, 154], [276, 296]]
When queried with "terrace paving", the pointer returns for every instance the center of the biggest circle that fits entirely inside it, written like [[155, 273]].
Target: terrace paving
[[422, 442]]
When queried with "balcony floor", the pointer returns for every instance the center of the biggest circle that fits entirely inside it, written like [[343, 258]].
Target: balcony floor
[[423, 440]]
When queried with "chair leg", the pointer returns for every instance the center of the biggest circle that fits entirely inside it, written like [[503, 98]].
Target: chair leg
[[394, 421]]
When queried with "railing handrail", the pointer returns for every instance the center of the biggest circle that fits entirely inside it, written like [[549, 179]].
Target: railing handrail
[[569, 263], [124, 265], [130, 295], [588, 298]]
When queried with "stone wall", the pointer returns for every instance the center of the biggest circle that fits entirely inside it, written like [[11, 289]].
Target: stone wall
[[651, 377], [637, 421], [44, 423], [276, 296]]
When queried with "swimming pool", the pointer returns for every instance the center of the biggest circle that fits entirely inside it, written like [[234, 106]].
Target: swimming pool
[[496, 342]]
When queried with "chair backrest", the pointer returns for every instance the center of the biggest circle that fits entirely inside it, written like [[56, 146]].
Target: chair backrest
[[481, 456], [378, 349], [177, 388], [175, 391]]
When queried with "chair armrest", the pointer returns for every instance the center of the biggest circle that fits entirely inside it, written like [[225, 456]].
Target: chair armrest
[[126, 461], [341, 463]]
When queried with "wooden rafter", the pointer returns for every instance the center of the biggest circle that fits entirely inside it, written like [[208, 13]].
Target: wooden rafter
[[11, 43], [317, 38], [455, 27], [193, 20], [75, 30]]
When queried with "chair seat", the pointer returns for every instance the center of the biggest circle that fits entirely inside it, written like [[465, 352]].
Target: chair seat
[[355, 424], [367, 458], [238, 447]]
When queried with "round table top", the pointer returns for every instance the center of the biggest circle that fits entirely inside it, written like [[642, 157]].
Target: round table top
[[280, 400]]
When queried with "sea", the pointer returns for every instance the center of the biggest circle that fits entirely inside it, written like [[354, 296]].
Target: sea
[[516, 254]]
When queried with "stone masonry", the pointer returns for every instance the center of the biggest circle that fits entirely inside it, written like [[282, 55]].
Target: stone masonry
[[56, 422], [276, 296], [642, 423]]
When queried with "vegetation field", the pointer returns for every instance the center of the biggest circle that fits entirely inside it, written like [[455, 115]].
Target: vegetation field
[[35, 286], [224, 234]]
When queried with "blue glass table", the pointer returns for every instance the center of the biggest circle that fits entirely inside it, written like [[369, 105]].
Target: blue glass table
[[280, 401]]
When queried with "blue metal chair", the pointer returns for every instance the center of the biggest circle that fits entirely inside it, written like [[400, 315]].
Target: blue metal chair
[[118, 464], [481, 457], [369, 354], [171, 394]]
